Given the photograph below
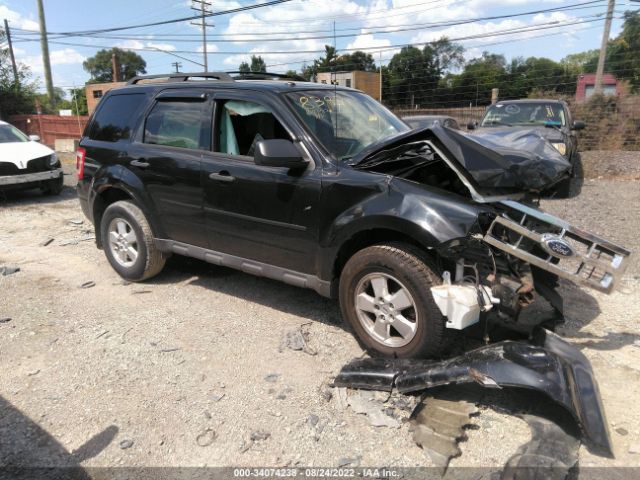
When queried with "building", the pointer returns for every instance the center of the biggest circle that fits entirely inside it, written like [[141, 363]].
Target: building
[[95, 92], [368, 82], [586, 84]]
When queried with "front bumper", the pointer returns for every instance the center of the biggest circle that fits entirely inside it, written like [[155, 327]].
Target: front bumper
[[546, 364], [10, 180]]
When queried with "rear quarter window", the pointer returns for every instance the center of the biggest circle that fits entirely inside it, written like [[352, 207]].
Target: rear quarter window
[[116, 117]]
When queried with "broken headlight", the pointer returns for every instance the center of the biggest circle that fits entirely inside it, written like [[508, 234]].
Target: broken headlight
[[561, 147]]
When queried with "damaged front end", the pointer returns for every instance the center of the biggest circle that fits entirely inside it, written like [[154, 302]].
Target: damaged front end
[[546, 364], [514, 251], [523, 250]]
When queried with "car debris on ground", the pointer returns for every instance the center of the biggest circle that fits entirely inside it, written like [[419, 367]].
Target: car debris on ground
[[438, 425], [5, 270], [545, 363], [296, 340]]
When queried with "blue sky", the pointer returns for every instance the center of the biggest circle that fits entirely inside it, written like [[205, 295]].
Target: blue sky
[[358, 25]]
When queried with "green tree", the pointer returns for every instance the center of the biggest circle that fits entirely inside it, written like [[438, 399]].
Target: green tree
[[415, 77], [100, 67], [79, 101], [412, 78], [357, 60], [16, 95], [257, 65], [577, 63], [533, 73], [479, 76], [444, 56], [623, 52], [60, 102]]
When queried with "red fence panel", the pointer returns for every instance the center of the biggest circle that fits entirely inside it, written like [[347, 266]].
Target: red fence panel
[[50, 127]]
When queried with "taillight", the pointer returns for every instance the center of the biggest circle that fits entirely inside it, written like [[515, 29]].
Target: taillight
[[81, 154]]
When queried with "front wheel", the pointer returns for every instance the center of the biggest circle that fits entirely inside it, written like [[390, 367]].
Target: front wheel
[[386, 299], [128, 242]]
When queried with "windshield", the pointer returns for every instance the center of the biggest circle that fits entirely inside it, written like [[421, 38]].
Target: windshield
[[345, 122], [534, 113], [10, 134]]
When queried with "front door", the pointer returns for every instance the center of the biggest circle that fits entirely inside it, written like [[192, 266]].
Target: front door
[[168, 160], [267, 214]]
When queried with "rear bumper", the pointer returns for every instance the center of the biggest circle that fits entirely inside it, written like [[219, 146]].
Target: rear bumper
[[11, 180], [83, 197]]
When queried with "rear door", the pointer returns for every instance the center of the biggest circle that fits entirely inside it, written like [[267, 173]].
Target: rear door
[[167, 158], [267, 214]]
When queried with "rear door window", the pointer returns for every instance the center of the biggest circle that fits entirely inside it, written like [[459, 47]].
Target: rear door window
[[116, 117], [182, 124]]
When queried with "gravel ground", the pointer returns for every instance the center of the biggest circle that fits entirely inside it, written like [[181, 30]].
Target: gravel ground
[[188, 369]]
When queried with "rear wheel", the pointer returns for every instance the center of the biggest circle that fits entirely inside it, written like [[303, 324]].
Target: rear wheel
[[128, 242], [386, 299]]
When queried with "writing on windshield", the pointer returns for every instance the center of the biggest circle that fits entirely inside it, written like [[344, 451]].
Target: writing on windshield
[[345, 122]]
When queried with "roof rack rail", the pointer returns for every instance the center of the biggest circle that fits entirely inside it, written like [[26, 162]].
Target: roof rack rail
[[183, 77], [237, 75]]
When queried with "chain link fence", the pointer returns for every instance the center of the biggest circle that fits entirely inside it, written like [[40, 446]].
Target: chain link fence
[[613, 122]]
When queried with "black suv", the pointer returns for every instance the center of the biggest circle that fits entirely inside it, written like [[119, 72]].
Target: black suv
[[415, 231]]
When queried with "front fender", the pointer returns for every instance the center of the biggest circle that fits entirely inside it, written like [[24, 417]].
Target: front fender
[[427, 215]]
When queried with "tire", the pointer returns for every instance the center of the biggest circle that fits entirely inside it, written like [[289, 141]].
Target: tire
[[129, 224], [572, 186], [53, 187], [403, 268]]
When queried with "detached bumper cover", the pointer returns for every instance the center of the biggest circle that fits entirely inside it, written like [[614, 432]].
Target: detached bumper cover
[[546, 364], [30, 177]]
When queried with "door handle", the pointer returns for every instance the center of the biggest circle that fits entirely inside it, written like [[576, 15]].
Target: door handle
[[222, 177], [138, 163]]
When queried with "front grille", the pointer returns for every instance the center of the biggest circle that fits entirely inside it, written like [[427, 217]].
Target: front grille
[[33, 166], [556, 246], [38, 164], [7, 168]]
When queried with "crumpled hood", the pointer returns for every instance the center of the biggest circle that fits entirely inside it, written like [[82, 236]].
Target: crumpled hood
[[19, 153], [513, 160]]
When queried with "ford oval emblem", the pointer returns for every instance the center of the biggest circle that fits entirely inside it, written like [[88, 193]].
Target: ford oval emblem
[[557, 246]]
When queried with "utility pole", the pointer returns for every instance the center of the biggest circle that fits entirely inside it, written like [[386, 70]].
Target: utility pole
[[597, 88], [13, 58], [203, 7], [380, 80], [177, 66], [115, 67], [44, 45]]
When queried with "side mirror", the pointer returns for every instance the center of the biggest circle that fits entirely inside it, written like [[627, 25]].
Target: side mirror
[[278, 153], [578, 125], [34, 138], [472, 125]]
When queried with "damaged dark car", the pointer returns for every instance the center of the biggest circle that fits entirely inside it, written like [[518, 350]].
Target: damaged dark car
[[416, 232], [529, 124]]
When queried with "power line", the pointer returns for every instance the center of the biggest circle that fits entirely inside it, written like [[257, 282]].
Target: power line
[[510, 31], [175, 20], [362, 30]]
